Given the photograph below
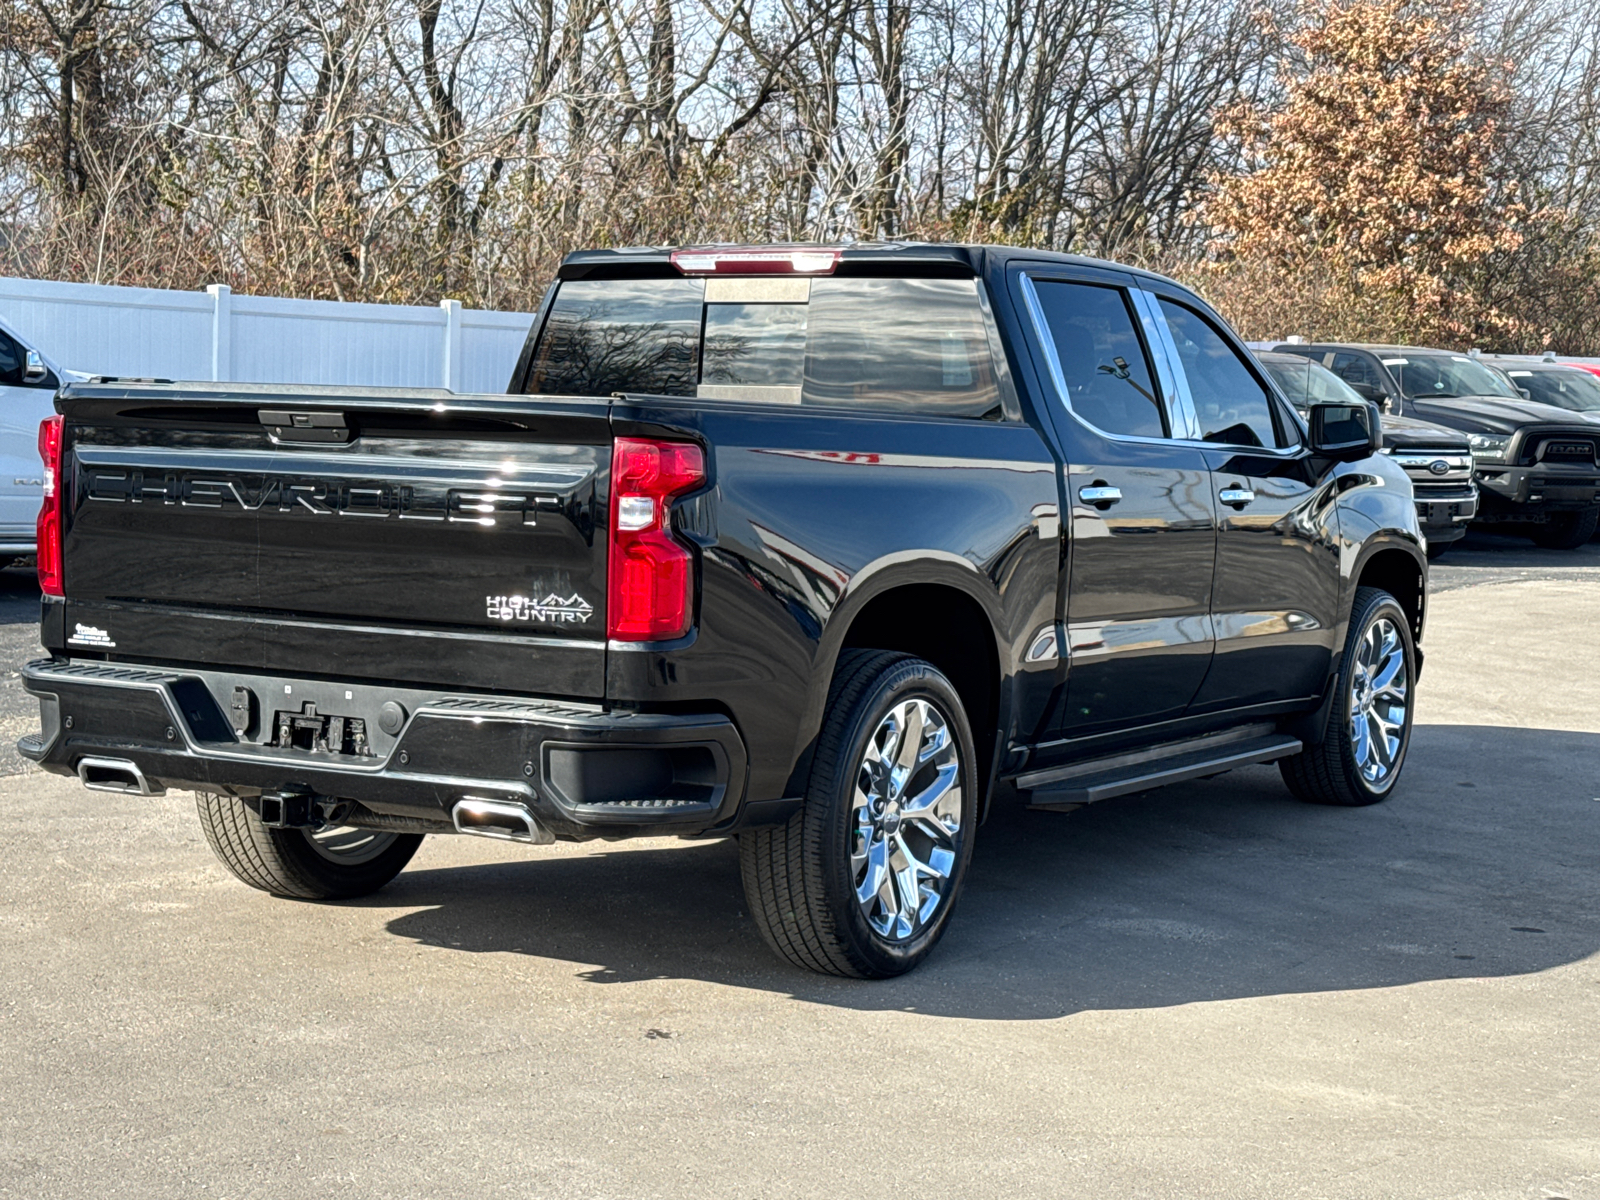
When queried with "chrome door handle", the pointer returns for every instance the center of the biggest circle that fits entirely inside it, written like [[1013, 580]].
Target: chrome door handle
[[1100, 495], [1237, 496]]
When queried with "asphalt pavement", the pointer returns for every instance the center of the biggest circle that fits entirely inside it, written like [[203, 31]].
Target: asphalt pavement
[[1210, 990]]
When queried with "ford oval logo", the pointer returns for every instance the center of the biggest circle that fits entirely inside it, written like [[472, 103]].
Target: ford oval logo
[[1438, 467]]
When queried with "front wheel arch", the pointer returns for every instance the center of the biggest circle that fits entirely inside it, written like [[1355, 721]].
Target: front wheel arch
[[1401, 570]]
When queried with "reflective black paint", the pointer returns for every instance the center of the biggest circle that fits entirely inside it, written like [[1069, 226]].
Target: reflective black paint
[[1181, 613]]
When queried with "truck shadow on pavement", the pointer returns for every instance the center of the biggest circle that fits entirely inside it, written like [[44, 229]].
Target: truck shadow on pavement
[[1483, 865]]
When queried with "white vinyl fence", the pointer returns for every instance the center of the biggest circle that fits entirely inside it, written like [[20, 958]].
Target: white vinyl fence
[[217, 335]]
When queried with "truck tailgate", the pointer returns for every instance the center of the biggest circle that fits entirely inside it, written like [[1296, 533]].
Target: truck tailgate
[[413, 537]]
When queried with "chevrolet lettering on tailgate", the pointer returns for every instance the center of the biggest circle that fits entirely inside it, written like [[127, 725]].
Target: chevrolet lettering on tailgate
[[320, 497]]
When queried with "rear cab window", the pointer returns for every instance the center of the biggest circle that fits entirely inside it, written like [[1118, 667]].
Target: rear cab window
[[911, 345], [616, 335]]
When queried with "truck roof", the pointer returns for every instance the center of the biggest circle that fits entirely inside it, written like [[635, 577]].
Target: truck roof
[[965, 258]]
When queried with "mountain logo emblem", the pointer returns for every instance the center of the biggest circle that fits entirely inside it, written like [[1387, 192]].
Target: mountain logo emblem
[[554, 609]]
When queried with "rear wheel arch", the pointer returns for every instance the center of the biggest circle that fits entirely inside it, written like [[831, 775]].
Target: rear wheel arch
[[940, 621]]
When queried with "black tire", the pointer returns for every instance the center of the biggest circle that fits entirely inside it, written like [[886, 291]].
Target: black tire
[[285, 862], [1437, 550], [799, 879], [1566, 531], [1329, 773]]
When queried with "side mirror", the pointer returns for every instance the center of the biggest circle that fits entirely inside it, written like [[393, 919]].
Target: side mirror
[[1345, 432], [1368, 391], [1525, 393], [34, 370]]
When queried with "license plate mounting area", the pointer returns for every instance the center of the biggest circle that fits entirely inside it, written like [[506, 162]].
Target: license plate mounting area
[[326, 733]]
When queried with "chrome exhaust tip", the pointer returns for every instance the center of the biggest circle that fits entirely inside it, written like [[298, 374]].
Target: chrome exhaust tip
[[499, 819], [116, 775]]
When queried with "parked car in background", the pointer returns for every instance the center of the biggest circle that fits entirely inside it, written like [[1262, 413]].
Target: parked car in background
[[1537, 467], [1437, 460], [820, 547], [28, 383], [1557, 384]]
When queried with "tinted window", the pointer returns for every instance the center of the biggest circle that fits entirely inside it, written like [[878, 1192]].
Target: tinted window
[[911, 345], [755, 345], [620, 335], [1102, 359], [1562, 387], [1442, 376], [1232, 407], [1356, 368]]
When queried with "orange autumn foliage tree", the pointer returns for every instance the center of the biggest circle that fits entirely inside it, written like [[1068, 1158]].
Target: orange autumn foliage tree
[[1368, 204]]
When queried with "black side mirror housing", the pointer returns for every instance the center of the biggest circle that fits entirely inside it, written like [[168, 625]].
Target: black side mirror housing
[[1345, 432], [1368, 391]]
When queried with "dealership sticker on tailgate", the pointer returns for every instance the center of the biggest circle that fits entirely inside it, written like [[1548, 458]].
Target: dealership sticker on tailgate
[[89, 635]]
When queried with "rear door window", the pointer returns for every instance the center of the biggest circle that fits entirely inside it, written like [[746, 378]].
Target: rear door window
[[902, 345], [1101, 358], [1232, 406]]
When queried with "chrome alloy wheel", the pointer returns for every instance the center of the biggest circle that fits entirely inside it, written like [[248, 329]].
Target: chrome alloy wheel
[[906, 819], [1379, 694], [347, 845]]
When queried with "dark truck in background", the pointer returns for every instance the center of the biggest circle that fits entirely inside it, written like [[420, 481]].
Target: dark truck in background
[[1537, 467], [820, 548], [1437, 460]]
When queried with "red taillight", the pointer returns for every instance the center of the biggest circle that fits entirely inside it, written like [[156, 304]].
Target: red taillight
[[757, 260], [651, 587], [49, 528]]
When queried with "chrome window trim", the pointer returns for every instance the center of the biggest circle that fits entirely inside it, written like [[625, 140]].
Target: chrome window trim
[[1259, 374], [1058, 379], [1185, 425], [1170, 375]]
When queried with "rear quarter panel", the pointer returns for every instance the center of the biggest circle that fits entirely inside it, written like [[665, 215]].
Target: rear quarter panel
[[810, 514]]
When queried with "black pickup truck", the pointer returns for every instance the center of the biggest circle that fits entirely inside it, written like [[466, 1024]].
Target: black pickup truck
[[822, 548]]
